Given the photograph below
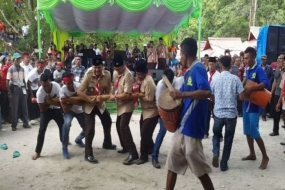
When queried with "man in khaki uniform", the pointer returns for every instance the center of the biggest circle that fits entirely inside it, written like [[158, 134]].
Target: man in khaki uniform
[[162, 53], [151, 56], [123, 88], [149, 116], [96, 82]]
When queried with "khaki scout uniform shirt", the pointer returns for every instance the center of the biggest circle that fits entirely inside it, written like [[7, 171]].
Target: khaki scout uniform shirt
[[148, 87], [125, 86], [90, 80]]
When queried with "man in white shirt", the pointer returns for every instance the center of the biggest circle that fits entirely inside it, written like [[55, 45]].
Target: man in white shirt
[[96, 49], [176, 83], [26, 64], [71, 109], [213, 74], [25, 29], [33, 80], [50, 110]]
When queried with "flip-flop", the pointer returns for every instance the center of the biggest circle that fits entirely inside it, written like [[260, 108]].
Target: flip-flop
[[16, 154], [4, 146]]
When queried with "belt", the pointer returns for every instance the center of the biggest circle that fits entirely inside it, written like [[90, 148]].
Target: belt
[[53, 108], [18, 86]]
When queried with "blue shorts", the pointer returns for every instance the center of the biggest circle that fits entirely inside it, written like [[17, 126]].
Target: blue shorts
[[251, 124]]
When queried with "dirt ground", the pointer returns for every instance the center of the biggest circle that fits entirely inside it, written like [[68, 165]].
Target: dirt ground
[[52, 172]]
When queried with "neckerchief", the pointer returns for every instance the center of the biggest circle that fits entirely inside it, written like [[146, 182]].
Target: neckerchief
[[117, 83], [211, 76], [136, 88], [97, 85]]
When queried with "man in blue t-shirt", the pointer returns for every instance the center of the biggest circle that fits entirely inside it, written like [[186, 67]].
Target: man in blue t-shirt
[[251, 111], [186, 149]]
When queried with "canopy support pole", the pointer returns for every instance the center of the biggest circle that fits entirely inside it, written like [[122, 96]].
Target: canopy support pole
[[199, 30], [39, 35]]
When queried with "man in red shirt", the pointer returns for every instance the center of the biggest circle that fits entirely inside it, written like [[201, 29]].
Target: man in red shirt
[[6, 64]]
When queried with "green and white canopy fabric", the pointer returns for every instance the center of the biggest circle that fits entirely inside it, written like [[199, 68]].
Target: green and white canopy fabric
[[132, 17]]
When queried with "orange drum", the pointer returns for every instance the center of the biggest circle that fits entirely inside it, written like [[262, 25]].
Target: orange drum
[[260, 97], [169, 109]]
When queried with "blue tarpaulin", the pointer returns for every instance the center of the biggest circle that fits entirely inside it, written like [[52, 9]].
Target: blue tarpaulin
[[261, 43]]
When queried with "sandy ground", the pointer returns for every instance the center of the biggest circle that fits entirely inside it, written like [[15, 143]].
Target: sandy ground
[[52, 172]]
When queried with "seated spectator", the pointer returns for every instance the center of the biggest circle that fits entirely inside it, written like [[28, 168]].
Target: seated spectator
[[57, 74]]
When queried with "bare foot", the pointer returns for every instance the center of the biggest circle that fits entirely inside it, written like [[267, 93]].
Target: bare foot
[[36, 156], [249, 157], [264, 163]]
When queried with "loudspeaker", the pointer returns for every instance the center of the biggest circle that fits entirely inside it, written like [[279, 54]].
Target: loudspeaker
[[272, 39], [156, 75], [275, 43], [281, 40]]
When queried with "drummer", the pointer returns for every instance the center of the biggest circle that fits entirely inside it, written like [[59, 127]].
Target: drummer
[[186, 149], [176, 83], [149, 116], [99, 80], [122, 91], [251, 111]]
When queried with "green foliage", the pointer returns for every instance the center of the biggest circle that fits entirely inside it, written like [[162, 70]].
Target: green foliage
[[25, 13], [221, 18]]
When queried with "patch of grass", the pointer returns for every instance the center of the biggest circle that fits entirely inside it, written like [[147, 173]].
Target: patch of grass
[[112, 107]]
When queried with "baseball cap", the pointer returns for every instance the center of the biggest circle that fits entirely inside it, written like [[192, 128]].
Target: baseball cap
[[274, 65], [144, 45], [16, 56], [264, 57]]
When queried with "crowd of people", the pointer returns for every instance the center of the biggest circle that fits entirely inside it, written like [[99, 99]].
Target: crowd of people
[[48, 84]]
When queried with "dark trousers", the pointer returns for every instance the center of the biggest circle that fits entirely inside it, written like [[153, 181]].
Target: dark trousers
[[19, 105], [147, 127], [5, 105], [276, 115], [230, 124], [161, 64], [90, 129], [45, 118], [210, 111], [151, 65], [34, 109], [265, 110], [124, 133]]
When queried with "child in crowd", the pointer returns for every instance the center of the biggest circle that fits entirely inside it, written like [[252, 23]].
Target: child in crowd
[[57, 74]]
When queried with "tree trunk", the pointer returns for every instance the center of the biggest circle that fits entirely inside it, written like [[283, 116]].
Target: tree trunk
[[250, 12], [254, 12], [29, 4], [7, 21]]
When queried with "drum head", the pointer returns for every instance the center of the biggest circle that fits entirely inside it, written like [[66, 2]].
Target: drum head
[[166, 102]]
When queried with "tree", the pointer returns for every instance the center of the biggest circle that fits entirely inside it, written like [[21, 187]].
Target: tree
[[9, 13], [221, 18]]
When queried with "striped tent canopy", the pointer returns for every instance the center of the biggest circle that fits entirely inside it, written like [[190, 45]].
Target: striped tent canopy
[[131, 17]]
